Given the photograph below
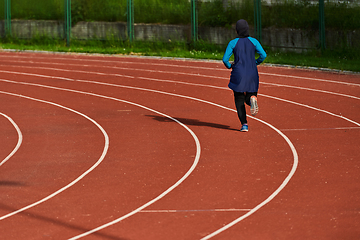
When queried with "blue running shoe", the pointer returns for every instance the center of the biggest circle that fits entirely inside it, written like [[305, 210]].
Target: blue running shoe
[[254, 108], [244, 128]]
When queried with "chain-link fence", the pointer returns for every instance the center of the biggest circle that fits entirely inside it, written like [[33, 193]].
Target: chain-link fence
[[285, 24]]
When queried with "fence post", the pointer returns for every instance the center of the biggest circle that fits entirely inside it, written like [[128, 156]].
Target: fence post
[[194, 21], [8, 18], [322, 25], [257, 20], [67, 25], [130, 19]]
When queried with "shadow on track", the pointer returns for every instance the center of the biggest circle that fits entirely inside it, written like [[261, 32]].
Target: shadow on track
[[11, 184], [80, 229], [192, 122]]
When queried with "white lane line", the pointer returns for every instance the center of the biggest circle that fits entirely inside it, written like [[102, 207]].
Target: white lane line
[[202, 85], [308, 78], [141, 208], [255, 209], [187, 74], [167, 64], [312, 89], [37, 75], [287, 179], [196, 210], [78, 178], [177, 95], [20, 138], [313, 108], [272, 196], [161, 80], [63, 70], [276, 98], [281, 187], [185, 176], [120, 60], [320, 129]]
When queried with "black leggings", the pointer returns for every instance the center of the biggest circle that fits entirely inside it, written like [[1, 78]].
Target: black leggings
[[240, 100]]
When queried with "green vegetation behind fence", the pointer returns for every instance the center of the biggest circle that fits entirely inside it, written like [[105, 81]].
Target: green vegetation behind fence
[[284, 14], [38, 10]]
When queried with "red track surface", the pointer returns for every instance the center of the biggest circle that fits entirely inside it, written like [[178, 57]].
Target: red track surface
[[100, 147]]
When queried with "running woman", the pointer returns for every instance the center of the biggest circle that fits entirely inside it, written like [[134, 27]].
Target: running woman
[[244, 79]]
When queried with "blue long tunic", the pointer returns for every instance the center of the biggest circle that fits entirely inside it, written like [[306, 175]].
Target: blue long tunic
[[244, 75]]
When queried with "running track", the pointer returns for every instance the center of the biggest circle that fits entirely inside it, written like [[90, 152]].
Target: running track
[[128, 148]]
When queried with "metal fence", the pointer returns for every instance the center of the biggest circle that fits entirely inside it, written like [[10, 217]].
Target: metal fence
[[181, 20]]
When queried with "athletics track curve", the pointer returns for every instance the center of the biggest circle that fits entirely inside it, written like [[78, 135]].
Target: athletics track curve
[[19, 141], [236, 172]]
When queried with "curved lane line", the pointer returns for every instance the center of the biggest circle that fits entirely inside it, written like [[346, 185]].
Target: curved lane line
[[273, 195], [291, 146], [139, 209], [181, 66], [177, 95], [313, 108], [187, 174], [161, 80], [312, 89], [270, 197], [202, 85], [281, 187], [287, 179], [308, 78], [20, 138], [78, 178]]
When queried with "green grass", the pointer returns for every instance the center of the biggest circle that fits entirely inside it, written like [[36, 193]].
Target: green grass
[[342, 59], [339, 60]]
